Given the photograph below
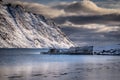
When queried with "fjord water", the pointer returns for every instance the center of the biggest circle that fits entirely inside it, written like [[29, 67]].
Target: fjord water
[[59, 67]]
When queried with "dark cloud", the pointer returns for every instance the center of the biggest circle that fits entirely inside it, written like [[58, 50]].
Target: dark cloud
[[84, 36], [103, 19]]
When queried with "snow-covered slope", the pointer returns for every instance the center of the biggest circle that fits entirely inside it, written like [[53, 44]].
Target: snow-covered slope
[[21, 29]]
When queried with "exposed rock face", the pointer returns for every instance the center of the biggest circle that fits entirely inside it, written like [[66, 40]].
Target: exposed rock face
[[21, 29]]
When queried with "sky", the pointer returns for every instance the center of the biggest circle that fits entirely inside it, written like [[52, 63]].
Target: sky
[[88, 22]]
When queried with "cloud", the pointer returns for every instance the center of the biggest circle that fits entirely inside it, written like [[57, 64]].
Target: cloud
[[74, 8], [92, 34], [96, 27], [86, 7], [98, 19], [114, 4]]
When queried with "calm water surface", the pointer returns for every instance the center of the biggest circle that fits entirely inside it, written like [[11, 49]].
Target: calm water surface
[[59, 67]]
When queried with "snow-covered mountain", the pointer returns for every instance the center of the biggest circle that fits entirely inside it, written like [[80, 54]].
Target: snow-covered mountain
[[22, 29], [109, 49]]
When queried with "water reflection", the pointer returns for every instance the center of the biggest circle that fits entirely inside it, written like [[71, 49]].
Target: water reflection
[[59, 67]]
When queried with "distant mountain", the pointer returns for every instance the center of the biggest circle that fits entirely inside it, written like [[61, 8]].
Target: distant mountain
[[107, 47], [22, 29], [107, 50]]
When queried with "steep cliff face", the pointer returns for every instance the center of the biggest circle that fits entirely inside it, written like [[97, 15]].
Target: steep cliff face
[[21, 29]]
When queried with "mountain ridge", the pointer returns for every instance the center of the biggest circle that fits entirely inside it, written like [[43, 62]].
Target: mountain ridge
[[21, 29]]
